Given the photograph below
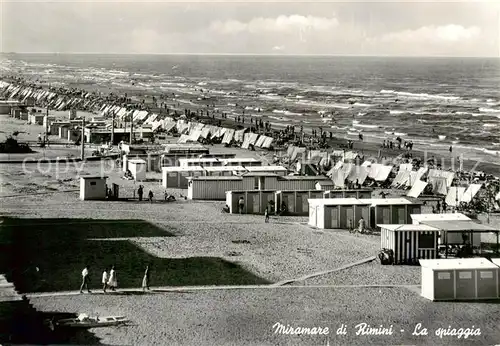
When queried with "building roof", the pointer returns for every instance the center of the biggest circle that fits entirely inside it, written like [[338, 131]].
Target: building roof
[[305, 177], [409, 228], [259, 174], [292, 191], [225, 169], [439, 217], [256, 191], [265, 168], [496, 261], [137, 161], [242, 159], [458, 263], [183, 169], [338, 201], [460, 225], [233, 177], [93, 176], [391, 201], [348, 190], [201, 160]]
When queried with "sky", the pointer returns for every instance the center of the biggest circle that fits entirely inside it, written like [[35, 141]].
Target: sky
[[404, 28]]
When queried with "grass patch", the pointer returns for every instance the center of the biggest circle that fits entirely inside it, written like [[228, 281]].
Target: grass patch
[[60, 248]]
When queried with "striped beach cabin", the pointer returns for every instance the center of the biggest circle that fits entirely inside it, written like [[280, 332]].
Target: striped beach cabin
[[410, 243]]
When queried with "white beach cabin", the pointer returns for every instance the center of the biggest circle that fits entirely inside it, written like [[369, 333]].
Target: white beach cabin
[[459, 279], [92, 187], [138, 169]]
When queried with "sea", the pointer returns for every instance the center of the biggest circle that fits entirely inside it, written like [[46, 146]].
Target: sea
[[437, 102]]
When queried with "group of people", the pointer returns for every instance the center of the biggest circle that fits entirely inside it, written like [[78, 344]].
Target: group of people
[[267, 211], [140, 193], [361, 226], [440, 207], [109, 280]]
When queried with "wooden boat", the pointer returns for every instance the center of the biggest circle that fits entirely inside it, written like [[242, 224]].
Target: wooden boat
[[84, 321]]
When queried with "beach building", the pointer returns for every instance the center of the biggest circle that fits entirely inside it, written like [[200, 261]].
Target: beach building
[[176, 177], [216, 187], [459, 279], [73, 134], [152, 161], [47, 120], [205, 162], [172, 159], [242, 161], [325, 185], [7, 105], [278, 170], [92, 187], [460, 232], [224, 171], [335, 212], [410, 243], [256, 201], [338, 213], [296, 201], [454, 238], [394, 210], [348, 193], [103, 134], [36, 118], [138, 169], [189, 149]]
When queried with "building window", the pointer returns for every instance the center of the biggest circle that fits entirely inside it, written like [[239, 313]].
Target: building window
[[93, 183], [465, 275], [486, 275], [444, 276], [426, 241]]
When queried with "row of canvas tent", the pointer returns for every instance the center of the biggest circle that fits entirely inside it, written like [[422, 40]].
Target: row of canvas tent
[[51, 99], [323, 157], [358, 174]]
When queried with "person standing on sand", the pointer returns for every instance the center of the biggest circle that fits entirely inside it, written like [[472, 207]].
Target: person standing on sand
[[438, 207], [241, 204], [266, 214], [104, 280], [145, 280], [112, 282], [85, 279], [140, 191], [361, 225], [150, 196]]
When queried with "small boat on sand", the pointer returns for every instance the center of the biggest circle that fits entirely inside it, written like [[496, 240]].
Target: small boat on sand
[[85, 321]]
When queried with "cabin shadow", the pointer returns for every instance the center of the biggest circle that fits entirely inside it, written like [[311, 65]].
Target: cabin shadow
[[47, 255], [20, 323]]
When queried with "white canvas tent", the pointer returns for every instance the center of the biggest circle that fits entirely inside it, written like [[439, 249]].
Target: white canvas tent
[[471, 192], [455, 193], [417, 188]]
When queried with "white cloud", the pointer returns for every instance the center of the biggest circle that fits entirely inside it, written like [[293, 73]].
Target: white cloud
[[279, 24], [445, 33]]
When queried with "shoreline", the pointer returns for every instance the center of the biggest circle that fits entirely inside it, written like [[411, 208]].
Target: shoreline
[[369, 147]]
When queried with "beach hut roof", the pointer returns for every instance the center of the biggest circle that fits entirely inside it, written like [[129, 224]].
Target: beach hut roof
[[439, 217], [338, 201], [458, 263], [391, 201], [215, 178], [415, 228], [460, 225], [178, 169]]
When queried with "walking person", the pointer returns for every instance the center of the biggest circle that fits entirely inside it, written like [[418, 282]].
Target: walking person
[[145, 280], [150, 196], [140, 191], [112, 282], [85, 279], [104, 280], [266, 214], [241, 204]]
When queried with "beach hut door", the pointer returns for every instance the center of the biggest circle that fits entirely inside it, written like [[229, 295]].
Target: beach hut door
[[401, 215], [335, 217]]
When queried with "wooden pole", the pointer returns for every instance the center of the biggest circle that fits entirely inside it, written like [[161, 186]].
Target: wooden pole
[[82, 153], [131, 128], [113, 130]]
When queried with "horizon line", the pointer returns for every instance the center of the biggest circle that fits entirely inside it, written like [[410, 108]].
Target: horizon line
[[260, 54]]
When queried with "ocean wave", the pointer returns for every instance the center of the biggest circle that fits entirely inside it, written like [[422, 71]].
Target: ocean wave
[[490, 125], [358, 104], [421, 96], [291, 113], [366, 126], [488, 110], [400, 134]]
